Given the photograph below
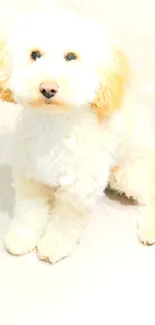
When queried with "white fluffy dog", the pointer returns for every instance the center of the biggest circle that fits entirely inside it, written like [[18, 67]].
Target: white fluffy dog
[[78, 130]]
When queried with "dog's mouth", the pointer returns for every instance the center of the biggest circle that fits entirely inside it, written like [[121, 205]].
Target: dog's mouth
[[53, 103]]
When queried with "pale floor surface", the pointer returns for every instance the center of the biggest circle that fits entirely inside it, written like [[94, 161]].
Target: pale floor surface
[[110, 279]]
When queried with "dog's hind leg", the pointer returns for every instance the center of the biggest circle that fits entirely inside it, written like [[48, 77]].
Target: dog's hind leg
[[137, 180]]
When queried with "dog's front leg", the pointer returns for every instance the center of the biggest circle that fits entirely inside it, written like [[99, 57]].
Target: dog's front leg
[[72, 206], [64, 229], [31, 212]]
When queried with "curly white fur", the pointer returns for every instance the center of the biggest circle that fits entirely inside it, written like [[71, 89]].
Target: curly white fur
[[66, 148]]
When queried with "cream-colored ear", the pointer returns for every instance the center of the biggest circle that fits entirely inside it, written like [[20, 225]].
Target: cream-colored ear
[[5, 92], [112, 85]]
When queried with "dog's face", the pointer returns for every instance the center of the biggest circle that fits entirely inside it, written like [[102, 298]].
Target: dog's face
[[62, 59]]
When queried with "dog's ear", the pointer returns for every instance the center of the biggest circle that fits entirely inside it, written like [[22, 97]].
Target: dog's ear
[[113, 81], [5, 92]]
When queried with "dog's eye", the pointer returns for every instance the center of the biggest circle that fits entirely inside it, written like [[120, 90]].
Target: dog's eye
[[70, 56], [35, 55]]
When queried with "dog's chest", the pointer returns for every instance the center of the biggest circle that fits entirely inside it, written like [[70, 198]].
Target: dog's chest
[[56, 149]]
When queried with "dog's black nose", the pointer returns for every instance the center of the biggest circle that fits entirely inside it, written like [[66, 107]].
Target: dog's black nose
[[48, 90]]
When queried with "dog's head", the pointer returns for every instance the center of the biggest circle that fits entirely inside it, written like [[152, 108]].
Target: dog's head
[[61, 60]]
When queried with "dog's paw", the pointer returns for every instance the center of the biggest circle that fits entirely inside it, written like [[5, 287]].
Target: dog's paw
[[55, 246], [146, 232], [20, 240]]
